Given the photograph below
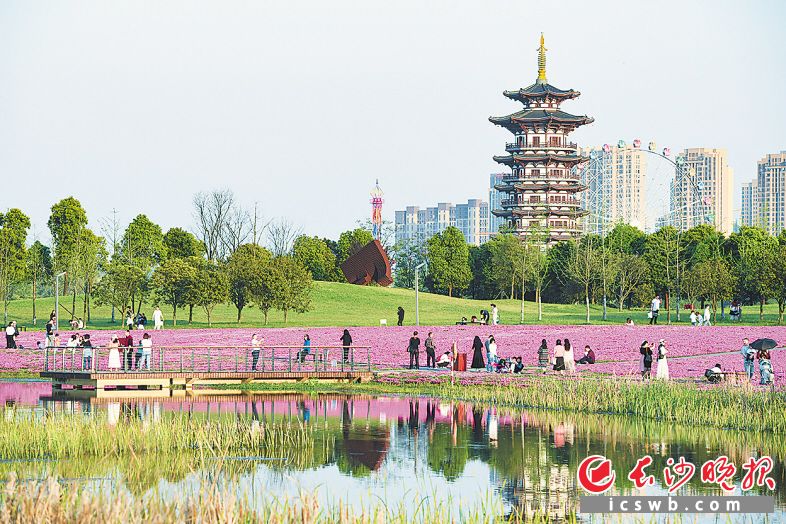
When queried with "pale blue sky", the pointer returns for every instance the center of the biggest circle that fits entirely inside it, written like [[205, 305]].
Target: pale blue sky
[[300, 105]]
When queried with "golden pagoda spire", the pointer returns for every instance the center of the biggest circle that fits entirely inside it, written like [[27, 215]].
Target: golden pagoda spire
[[542, 61]]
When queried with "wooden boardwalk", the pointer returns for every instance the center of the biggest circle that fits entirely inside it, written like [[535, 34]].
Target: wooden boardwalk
[[147, 380]]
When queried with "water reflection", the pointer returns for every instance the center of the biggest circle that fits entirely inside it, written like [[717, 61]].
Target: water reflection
[[392, 447]]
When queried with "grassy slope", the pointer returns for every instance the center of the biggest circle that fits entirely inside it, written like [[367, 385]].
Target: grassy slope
[[336, 304]]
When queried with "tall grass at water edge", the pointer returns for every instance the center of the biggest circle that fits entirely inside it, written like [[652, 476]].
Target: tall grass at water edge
[[65, 436], [725, 407]]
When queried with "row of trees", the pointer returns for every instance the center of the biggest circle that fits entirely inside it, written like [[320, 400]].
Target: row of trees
[[232, 256], [624, 269]]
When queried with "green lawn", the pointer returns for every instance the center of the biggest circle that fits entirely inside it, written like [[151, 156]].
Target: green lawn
[[336, 304]]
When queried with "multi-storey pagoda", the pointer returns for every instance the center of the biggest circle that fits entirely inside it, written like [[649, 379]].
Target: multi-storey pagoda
[[540, 192]]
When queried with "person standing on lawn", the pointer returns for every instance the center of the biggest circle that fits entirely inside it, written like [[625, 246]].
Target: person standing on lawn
[[414, 351], [431, 349], [477, 354], [346, 342], [645, 365], [158, 318], [654, 310], [494, 315], [748, 358], [400, 314], [662, 372], [543, 355], [10, 335], [570, 363], [559, 357]]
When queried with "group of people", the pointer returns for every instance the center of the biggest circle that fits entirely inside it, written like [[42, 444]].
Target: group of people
[[563, 358], [749, 358], [413, 348], [647, 358], [140, 319], [697, 319]]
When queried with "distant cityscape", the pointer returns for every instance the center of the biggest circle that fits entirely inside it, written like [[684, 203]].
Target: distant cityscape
[[554, 185]]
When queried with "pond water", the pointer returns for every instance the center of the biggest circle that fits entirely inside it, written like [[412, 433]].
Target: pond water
[[401, 450]]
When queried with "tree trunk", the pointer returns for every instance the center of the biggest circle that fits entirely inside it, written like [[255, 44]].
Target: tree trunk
[[604, 307], [587, 302], [73, 304], [781, 307], [450, 291], [285, 317], [190, 313], [540, 306], [34, 295], [207, 311], [522, 301], [761, 309], [89, 291], [239, 310], [265, 317], [174, 316]]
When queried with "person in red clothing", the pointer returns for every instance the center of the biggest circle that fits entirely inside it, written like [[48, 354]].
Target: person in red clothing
[[127, 343], [588, 358]]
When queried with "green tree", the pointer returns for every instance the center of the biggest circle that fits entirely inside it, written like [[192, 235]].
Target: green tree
[[39, 269], [751, 249], [581, 267], [701, 243], [245, 272], [408, 255], [90, 256], [633, 273], [179, 243], [315, 255], [293, 286], [507, 259], [663, 252], [717, 281], [448, 260], [143, 243], [119, 282], [778, 262], [481, 286], [350, 242], [624, 238], [13, 256], [537, 267], [210, 288], [66, 222], [174, 280]]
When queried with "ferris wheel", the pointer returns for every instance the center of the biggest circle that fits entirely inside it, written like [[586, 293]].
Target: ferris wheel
[[646, 188]]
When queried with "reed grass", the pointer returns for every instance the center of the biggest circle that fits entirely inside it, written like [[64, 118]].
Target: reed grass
[[725, 407], [50, 501], [63, 436]]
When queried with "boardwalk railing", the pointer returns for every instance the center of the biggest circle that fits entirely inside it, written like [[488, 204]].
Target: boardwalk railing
[[210, 359]]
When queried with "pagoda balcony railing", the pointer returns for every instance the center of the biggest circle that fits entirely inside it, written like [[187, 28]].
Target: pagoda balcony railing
[[510, 202], [515, 146]]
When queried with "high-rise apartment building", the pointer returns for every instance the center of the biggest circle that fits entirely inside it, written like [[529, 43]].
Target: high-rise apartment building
[[750, 213], [764, 199], [495, 202], [616, 181], [711, 179], [416, 224]]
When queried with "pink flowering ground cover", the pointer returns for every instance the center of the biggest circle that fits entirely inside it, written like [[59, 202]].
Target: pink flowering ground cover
[[616, 346]]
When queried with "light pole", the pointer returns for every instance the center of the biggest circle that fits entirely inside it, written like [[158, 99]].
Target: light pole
[[57, 299], [417, 298]]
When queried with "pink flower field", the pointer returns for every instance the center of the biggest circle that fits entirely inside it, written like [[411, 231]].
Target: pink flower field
[[616, 346]]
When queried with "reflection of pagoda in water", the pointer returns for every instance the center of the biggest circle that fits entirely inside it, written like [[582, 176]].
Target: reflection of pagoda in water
[[540, 190]]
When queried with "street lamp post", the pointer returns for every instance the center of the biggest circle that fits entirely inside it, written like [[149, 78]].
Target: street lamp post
[[417, 298], [57, 299]]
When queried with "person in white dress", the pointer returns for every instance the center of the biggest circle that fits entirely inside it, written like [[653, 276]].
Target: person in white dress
[[707, 316], [570, 364], [158, 318], [663, 365], [114, 353], [494, 315]]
